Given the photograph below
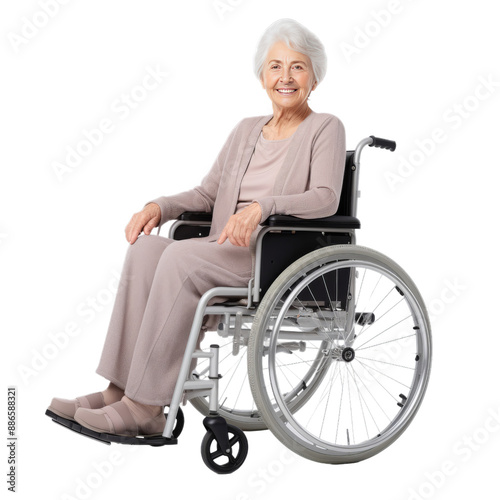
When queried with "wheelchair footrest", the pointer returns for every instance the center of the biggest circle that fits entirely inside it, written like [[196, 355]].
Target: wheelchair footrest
[[109, 438]]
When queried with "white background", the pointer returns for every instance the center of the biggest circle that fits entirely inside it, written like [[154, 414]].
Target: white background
[[62, 240]]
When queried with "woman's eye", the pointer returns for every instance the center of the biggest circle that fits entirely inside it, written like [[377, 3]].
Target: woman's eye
[[297, 66]]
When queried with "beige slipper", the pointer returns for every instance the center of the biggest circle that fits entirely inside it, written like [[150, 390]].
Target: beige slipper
[[120, 419], [66, 408]]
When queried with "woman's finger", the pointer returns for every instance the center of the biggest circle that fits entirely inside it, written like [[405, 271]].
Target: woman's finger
[[242, 234], [222, 237], [232, 240], [149, 226], [146, 221], [134, 227], [247, 238]]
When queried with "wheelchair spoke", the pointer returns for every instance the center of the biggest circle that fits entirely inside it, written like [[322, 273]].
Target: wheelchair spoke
[[333, 308], [359, 398], [300, 375], [375, 287], [383, 331], [364, 401], [385, 374], [241, 388], [367, 368], [296, 362], [340, 404], [326, 321], [363, 330], [387, 363], [359, 294], [350, 406], [361, 289], [235, 439], [380, 317], [327, 402], [286, 378], [326, 391], [235, 366], [217, 453], [386, 342], [301, 304], [374, 398]]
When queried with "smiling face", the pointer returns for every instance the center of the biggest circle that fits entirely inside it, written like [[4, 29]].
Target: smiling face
[[288, 77]]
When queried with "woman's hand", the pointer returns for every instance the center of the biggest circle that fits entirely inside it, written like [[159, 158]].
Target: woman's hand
[[145, 220], [240, 226]]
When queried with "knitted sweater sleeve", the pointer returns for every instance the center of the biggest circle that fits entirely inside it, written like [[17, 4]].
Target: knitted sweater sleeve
[[202, 197], [326, 175]]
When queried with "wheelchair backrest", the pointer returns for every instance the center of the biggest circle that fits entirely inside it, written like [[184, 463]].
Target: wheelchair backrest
[[280, 249]]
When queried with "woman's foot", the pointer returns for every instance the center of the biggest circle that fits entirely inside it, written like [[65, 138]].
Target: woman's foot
[[124, 418], [66, 408]]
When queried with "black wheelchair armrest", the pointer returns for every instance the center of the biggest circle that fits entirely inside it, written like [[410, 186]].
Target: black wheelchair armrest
[[196, 216], [191, 225], [333, 221]]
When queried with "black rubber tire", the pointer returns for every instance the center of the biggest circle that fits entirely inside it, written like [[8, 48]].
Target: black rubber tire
[[234, 462], [179, 422]]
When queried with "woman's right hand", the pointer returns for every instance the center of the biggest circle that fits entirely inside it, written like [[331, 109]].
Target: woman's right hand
[[145, 220]]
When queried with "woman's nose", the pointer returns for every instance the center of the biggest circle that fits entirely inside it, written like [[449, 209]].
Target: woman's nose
[[285, 76]]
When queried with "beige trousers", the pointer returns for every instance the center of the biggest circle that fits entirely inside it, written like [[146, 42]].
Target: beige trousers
[[161, 283]]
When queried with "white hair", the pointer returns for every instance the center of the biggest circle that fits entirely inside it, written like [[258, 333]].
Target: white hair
[[297, 37]]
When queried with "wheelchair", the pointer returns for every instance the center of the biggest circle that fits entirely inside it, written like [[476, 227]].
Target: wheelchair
[[328, 347]]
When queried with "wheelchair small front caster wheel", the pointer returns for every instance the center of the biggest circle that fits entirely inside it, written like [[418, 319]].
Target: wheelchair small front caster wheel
[[225, 461], [179, 422]]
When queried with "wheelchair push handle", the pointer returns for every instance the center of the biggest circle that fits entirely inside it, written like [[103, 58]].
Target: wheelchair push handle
[[378, 142]]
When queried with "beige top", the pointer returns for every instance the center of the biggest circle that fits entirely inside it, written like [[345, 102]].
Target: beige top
[[265, 163], [309, 186]]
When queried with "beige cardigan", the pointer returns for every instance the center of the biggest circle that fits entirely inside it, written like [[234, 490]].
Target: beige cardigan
[[308, 184]]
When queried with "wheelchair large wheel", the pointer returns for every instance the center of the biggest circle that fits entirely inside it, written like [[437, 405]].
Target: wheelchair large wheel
[[361, 378], [236, 403]]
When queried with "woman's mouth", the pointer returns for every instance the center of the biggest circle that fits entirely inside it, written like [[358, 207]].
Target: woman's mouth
[[286, 91]]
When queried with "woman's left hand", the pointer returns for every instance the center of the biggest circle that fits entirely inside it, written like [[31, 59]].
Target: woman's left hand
[[240, 226]]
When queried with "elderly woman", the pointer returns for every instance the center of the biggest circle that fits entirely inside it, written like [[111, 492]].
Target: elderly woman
[[290, 162]]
